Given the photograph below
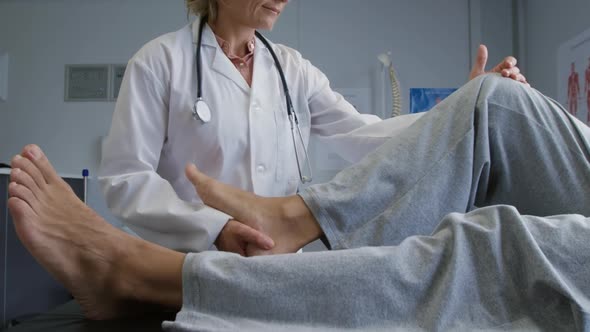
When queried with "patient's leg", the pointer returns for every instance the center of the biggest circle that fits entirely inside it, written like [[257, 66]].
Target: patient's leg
[[489, 268], [106, 270], [494, 141]]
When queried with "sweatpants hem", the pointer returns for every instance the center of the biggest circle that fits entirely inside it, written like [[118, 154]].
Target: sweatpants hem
[[322, 217]]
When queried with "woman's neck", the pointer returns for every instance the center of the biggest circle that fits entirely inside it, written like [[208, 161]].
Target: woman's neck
[[238, 36]]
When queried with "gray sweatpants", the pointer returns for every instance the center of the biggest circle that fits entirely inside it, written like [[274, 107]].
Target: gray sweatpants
[[496, 267]]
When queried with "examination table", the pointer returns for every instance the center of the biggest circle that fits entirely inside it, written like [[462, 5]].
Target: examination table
[[69, 318]]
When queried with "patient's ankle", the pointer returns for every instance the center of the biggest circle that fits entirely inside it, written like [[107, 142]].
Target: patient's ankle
[[151, 274], [298, 214]]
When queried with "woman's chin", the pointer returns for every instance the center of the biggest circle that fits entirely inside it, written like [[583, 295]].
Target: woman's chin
[[266, 24]]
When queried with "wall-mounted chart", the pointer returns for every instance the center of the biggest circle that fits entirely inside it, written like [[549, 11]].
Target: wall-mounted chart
[[117, 73], [87, 83], [573, 76]]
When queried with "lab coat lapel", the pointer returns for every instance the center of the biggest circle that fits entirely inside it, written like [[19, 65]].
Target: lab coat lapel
[[225, 67], [265, 74], [219, 62]]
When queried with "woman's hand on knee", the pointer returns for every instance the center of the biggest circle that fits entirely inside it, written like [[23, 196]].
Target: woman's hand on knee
[[506, 68]]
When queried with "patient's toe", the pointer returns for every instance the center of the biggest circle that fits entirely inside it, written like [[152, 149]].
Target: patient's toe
[[34, 153], [203, 183], [27, 166], [22, 216], [21, 192], [23, 178]]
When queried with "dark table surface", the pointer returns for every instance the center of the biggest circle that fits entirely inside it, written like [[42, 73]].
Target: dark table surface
[[69, 318]]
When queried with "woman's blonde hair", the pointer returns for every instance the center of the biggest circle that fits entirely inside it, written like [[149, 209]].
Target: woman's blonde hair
[[203, 8]]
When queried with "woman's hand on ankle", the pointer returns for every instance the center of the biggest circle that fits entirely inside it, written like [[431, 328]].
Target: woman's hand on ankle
[[236, 237]]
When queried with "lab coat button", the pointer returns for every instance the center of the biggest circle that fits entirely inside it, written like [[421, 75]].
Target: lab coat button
[[261, 169]]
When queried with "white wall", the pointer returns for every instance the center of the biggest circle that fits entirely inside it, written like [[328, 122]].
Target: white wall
[[548, 24], [429, 40], [40, 37], [497, 29]]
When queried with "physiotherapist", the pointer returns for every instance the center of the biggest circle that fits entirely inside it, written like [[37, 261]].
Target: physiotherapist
[[219, 95]]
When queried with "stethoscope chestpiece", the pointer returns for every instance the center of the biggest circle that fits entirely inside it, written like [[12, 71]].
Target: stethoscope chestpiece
[[201, 111], [305, 179]]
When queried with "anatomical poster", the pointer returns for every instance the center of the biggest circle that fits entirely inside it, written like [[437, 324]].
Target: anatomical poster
[[573, 76]]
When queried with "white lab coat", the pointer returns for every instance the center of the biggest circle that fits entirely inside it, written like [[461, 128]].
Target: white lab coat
[[246, 144]]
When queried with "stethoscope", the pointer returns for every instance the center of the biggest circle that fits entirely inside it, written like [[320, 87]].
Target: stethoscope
[[202, 112]]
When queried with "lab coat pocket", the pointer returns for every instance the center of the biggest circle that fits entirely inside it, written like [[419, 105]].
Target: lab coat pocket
[[287, 170], [282, 125], [286, 162]]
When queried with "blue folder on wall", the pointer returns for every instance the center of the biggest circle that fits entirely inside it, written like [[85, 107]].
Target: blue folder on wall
[[423, 99]]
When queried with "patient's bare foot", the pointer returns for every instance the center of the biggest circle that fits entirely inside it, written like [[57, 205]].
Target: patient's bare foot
[[287, 220], [93, 259]]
